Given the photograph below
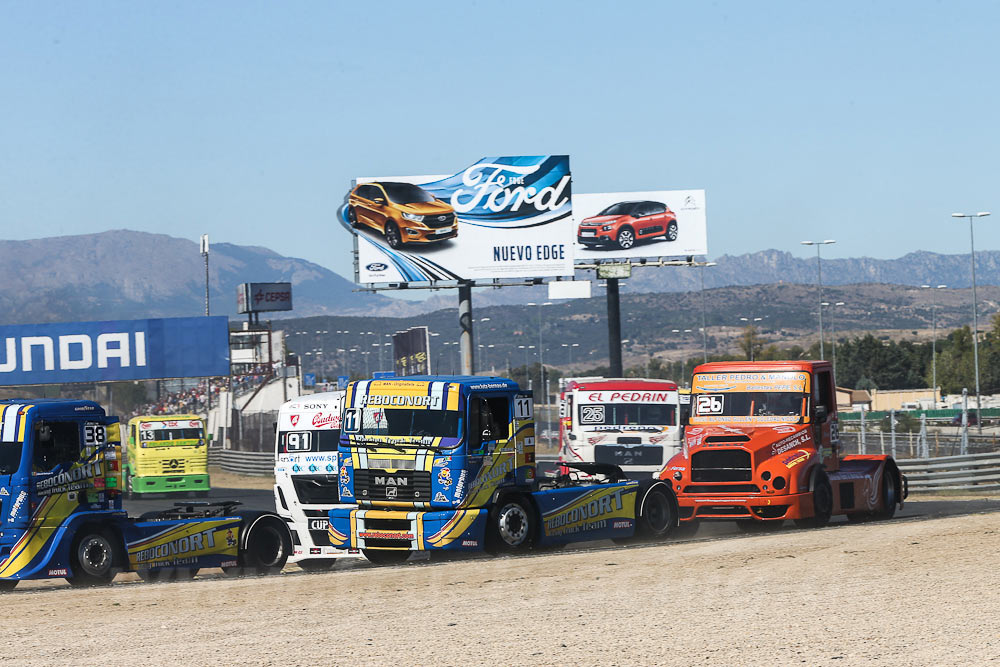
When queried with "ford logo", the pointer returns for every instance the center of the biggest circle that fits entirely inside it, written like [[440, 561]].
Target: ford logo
[[377, 266]]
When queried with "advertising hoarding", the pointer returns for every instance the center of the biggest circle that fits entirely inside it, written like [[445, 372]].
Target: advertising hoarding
[[502, 217], [625, 225], [114, 350], [411, 352], [263, 297]]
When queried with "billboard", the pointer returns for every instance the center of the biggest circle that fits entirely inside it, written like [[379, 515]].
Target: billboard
[[411, 352], [263, 297], [502, 217], [624, 225], [114, 350]]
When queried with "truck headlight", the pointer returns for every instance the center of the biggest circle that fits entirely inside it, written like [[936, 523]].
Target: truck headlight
[[678, 475], [414, 217]]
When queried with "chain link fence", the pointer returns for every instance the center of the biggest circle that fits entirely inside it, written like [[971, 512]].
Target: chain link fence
[[253, 432]]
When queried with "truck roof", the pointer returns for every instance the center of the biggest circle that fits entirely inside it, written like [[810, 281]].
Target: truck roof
[[750, 366], [301, 402], [620, 384], [165, 418], [466, 382], [57, 407]]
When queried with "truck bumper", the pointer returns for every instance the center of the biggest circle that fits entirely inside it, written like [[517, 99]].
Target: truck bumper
[[168, 483], [730, 508], [407, 531]]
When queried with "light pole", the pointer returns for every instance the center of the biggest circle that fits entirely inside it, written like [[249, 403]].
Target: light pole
[[204, 253], [750, 322], [541, 349], [975, 313], [934, 345], [704, 331], [819, 284], [570, 347], [833, 336]]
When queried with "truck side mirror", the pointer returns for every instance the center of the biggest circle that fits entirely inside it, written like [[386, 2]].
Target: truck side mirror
[[821, 414], [572, 436]]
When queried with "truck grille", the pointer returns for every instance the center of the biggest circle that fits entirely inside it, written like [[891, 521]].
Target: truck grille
[[172, 466], [629, 456], [316, 489], [721, 465], [374, 485], [440, 220]]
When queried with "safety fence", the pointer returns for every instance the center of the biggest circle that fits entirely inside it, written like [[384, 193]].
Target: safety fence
[[973, 472], [242, 463]]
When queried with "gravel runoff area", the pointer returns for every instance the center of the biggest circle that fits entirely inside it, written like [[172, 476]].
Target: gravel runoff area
[[905, 592]]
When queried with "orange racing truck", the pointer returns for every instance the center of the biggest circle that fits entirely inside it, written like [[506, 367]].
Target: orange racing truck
[[763, 445]]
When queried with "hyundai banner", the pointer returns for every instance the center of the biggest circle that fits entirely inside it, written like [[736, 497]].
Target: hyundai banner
[[114, 350], [625, 225], [502, 217]]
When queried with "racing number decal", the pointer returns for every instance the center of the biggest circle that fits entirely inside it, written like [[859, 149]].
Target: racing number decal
[[522, 407], [94, 435], [709, 404], [298, 441], [592, 414], [352, 420]]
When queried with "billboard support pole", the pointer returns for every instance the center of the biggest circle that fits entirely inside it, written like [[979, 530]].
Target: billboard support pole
[[614, 329], [465, 324]]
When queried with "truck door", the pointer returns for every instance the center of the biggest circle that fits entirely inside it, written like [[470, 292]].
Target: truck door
[[523, 417], [826, 430]]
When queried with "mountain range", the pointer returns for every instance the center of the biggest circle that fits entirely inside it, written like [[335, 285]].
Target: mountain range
[[127, 274]]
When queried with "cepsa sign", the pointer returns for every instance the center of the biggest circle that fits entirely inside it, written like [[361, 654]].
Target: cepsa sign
[[262, 297]]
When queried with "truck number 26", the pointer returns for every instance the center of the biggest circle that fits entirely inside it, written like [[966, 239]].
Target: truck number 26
[[709, 404]]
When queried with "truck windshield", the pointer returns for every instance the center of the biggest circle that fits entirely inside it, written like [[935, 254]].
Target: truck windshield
[[167, 436], [291, 442], [627, 414], [10, 457], [758, 405], [406, 422]]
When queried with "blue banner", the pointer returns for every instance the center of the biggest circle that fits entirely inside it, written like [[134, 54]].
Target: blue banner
[[115, 350]]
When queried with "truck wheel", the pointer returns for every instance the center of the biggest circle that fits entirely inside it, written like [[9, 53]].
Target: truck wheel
[[316, 565], [93, 559], [822, 495], [890, 493], [8, 585], [393, 236], [672, 231], [264, 549], [511, 525], [385, 556], [626, 239], [656, 515]]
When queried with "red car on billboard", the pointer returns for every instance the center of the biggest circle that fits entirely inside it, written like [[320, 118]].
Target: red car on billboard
[[622, 224]]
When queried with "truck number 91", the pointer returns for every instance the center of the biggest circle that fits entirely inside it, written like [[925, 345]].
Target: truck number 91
[[709, 404]]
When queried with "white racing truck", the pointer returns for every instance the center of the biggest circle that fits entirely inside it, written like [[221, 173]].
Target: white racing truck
[[306, 466], [633, 423]]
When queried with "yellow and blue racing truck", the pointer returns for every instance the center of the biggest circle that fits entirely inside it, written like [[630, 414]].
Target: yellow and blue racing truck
[[61, 512], [448, 463], [166, 454]]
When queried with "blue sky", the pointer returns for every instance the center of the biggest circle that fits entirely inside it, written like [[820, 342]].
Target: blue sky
[[869, 123]]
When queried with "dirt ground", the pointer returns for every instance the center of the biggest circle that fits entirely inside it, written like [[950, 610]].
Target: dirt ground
[[907, 592]]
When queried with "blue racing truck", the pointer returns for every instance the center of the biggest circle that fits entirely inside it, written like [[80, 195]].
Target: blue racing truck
[[61, 510], [448, 463]]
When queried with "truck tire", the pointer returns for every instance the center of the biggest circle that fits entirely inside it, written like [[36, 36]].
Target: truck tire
[[626, 238], [264, 546], [385, 556], [672, 231], [512, 524], [822, 496], [316, 564], [7, 585], [890, 492], [93, 558], [656, 512]]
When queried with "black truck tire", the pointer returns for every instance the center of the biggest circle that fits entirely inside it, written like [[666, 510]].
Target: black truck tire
[[656, 512], [822, 496], [93, 557], [264, 546], [890, 491], [512, 524]]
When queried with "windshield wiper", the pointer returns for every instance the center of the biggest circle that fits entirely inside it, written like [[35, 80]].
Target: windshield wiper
[[374, 444]]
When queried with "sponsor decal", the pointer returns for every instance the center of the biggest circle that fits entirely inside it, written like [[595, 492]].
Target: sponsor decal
[[440, 498], [320, 419], [345, 492], [433, 402], [385, 535], [319, 524], [182, 545], [678, 468], [586, 514], [72, 480], [444, 477], [58, 572], [390, 492], [345, 478], [460, 487], [377, 266], [315, 551], [16, 505], [294, 419], [389, 480], [625, 523], [470, 543], [596, 439], [4, 492], [442, 461], [232, 563], [230, 539], [795, 458], [790, 442], [631, 397]]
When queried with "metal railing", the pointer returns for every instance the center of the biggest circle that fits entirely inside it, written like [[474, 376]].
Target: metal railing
[[972, 472], [242, 463]]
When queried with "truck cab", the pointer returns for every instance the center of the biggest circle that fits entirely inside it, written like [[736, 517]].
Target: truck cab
[[306, 466], [633, 423], [438, 462], [166, 454], [763, 445]]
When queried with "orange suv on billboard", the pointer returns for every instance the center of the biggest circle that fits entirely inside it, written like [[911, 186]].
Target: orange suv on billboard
[[626, 222], [402, 212]]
